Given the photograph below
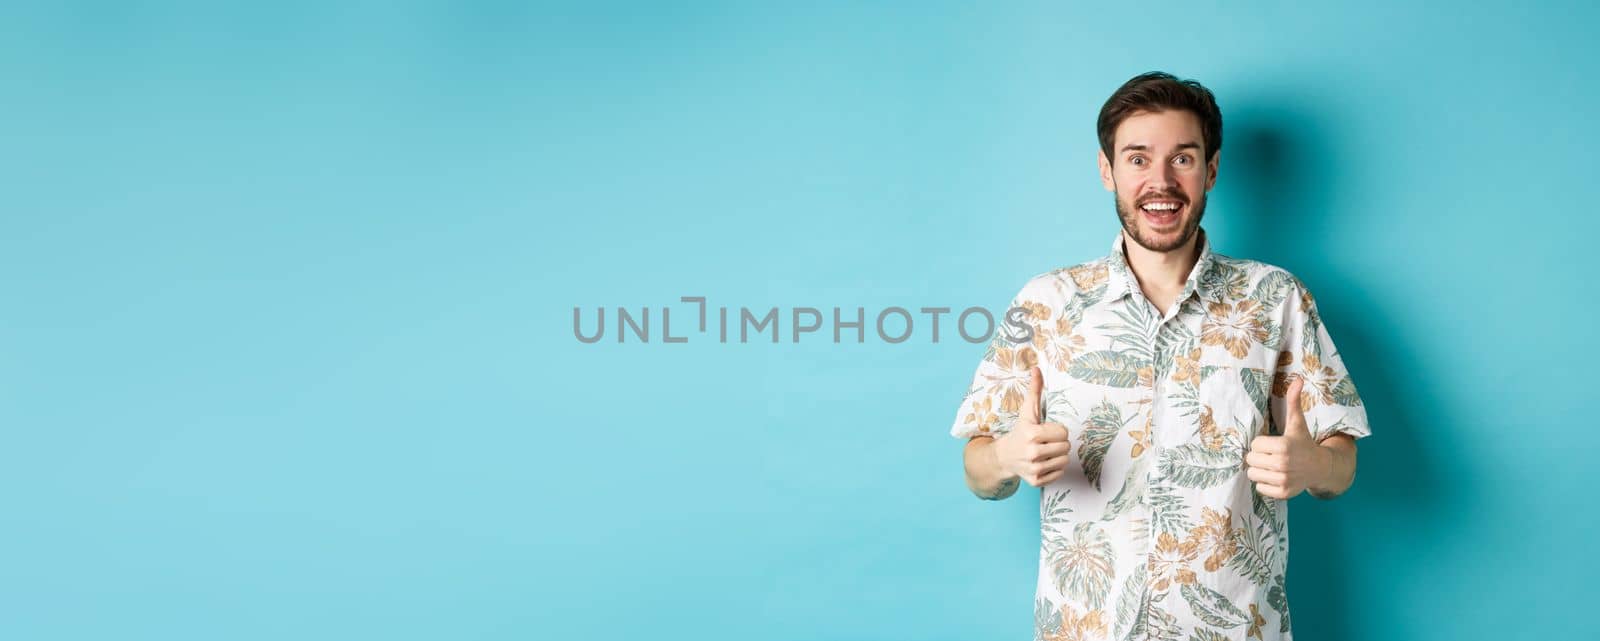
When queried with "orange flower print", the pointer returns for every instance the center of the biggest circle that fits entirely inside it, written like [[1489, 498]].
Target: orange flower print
[[1211, 435], [1087, 277], [1319, 381], [1170, 563], [1186, 367], [1256, 621], [1059, 346], [1141, 439], [1215, 533], [1319, 386], [1280, 377], [1036, 311], [1016, 372], [1235, 327], [1075, 628], [981, 416]]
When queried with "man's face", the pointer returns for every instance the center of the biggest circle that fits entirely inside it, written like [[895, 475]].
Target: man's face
[[1160, 177]]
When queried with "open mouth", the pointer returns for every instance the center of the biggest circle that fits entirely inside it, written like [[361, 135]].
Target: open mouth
[[1162, 213]]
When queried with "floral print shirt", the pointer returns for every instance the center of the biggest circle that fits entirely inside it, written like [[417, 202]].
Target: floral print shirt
[[1154, 531]]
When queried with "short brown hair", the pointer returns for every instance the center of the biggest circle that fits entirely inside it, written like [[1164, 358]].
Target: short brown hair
[[1156, 91]]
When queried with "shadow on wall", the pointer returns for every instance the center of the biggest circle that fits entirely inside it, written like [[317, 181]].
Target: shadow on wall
[[1275, 188]]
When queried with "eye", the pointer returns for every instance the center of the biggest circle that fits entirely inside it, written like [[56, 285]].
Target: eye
[[1137, 161], [1183, 160]]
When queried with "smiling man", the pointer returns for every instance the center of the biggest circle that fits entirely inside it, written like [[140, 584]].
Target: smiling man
[[1168, 403]]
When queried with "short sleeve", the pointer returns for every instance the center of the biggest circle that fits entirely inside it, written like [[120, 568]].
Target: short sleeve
[[994, 398], [1328, 396]]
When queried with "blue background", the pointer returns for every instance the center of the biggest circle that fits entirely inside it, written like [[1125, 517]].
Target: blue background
[[287, 347]]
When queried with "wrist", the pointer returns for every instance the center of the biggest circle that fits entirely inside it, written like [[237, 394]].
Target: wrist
[[1322, 483], [996, 463]]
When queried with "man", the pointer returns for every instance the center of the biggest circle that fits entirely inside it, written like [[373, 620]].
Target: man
[[1167, 400]]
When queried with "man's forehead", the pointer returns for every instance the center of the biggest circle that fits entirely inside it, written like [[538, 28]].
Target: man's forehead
[[1163, 130]]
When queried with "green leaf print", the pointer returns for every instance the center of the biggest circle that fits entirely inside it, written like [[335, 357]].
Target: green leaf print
[[1113, 369], [1054, 511], [1132, 346], [1139, 319], [1156, 623], [1280, 602], [1195, 466], [1308, 336], [1203, 634], [1253, 560], [1266, 509], [1274, 334], [1172, 339], [1083, 565], [1046, 618], [1186, 400], [1272, 288], [1057, 408], [1319, 432], [1099, 430], [1133, 489], [1212, 607], [1132, 597], [1225, 279], [1168, 512], [1086, 299], [1257, 383], [1073, 310], [1344, 393]]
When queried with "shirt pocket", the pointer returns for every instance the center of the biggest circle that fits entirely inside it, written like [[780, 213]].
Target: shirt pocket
[[1233, 402], [1107, 427]]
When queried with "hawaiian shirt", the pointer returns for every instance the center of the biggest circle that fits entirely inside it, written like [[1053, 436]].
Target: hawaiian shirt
[[1154, 531]]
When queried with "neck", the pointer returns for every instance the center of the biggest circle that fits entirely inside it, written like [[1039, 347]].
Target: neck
[[1162, 271]]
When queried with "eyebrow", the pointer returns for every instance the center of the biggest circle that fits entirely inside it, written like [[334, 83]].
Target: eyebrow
[[1180, 147]]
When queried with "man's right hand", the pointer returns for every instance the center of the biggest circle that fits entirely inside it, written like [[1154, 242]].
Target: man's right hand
[[1034, 451]]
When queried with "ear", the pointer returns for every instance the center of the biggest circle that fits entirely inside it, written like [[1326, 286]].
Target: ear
[[1105, 173], [1211, 169]]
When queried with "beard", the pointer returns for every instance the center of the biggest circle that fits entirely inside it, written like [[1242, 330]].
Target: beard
[[1131, 220]]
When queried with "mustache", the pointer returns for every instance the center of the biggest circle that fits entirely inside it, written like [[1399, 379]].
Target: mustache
[[1167, 195]]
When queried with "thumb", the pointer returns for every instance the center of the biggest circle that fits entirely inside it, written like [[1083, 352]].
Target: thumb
[[1294, 414], [1030, 400]]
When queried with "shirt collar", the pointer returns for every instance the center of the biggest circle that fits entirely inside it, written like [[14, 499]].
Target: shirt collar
[[1122, 281]]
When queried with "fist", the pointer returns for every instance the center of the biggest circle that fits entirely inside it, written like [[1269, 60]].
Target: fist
[[1033, 451], [1284, 466]]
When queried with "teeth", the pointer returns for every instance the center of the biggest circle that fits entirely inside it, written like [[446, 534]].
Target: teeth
[[1161, 206]]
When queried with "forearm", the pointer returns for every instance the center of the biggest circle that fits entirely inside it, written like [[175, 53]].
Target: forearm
[[984, 476], [1341, 472]]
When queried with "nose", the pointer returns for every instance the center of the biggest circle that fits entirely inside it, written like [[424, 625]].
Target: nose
[[1165, 177], [1162, 181]]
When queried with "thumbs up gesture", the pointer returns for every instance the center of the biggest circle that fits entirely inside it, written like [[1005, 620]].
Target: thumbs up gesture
[[1034, 451], [1284, 466]]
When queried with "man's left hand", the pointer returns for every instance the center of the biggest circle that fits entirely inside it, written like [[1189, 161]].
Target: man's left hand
[[1284, 466]]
